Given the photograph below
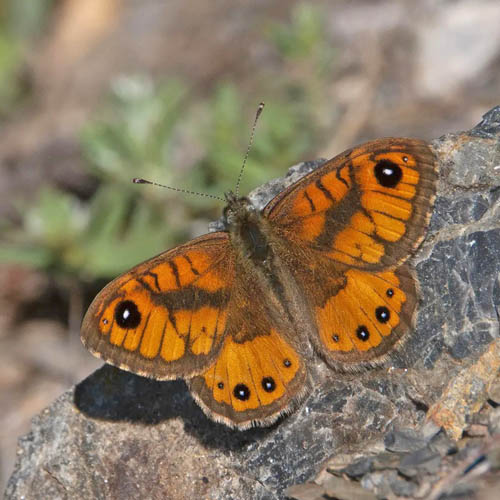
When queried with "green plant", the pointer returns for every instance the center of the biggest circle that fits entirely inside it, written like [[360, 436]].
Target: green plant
[[161, 131], [20, 22]]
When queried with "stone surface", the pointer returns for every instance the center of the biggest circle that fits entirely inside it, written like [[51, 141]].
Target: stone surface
[[117, 435]]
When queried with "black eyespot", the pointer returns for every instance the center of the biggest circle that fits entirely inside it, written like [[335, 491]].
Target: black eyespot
[[105, 321], [382, 314], [335, 338], [389, 292], [405, 159], [268, 384], [220, 385], [287, 363], [241, 392], [363, 333], [127, 315], [388, 174]]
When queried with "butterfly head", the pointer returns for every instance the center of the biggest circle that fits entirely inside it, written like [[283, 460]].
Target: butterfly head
[[238, 211]]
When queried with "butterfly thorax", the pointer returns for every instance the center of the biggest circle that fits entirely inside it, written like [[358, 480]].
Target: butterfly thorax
[[259, 261], [247, 228]]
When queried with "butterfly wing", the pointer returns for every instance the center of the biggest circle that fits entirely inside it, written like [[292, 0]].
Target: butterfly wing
[[368, 207], [186, 313], [167, 316], [348, 227], [359, 315], [259, 374]]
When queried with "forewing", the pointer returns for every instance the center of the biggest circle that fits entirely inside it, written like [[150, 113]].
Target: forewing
[[368, 207], [166, 317]]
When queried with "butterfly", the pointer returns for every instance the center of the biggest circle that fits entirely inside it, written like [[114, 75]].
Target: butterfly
[[321, 269]]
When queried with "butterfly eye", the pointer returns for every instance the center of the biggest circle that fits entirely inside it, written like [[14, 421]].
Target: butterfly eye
[[382, 314], [127, 315], [268, 384], [388, 174], [241, 392], [363, 333]]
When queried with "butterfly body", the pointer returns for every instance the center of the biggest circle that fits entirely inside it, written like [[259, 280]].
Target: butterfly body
[[321, 269]]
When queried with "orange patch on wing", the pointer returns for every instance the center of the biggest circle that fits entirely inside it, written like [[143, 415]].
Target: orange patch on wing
[[107, 318], [388, 228], [211, 281], [355, 306], [264, 358], [320, 196], [362, 223], [390, 205], [166, 277], [203, 330], [173, 346], [339, 321], [117, 335], [311, 227], [369, 290], [153, 334], [182, 270], [341, 257], [332, 326], [357, 245], [133, 337]]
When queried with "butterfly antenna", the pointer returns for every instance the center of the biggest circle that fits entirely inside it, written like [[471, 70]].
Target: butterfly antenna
[[250, 142], [185, 191]]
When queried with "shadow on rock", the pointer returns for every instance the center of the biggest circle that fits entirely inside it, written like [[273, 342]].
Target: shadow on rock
[[112, 394]]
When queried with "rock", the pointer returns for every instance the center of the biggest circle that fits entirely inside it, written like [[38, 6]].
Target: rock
[[424, 460], [118, 435], [359, 468], [494, 392], [494, 422], [404, 440], [443, 444], [341, 489], [307, 491]]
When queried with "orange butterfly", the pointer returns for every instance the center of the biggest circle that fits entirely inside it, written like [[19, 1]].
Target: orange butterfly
[[236, 312]]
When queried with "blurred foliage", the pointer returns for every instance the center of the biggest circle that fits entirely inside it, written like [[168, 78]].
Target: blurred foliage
[[161, 131], [20, 22], [304, 37]]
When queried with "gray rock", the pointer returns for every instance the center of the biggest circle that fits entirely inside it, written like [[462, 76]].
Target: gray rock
[[359, 468], [401, 440], [494, 391], [117, 435], [494, 422], [401, 487], [386, 461], [421, 461], [442, 444]]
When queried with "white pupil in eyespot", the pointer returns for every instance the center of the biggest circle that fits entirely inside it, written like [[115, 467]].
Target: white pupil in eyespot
[[126, 314], [387, 171]]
